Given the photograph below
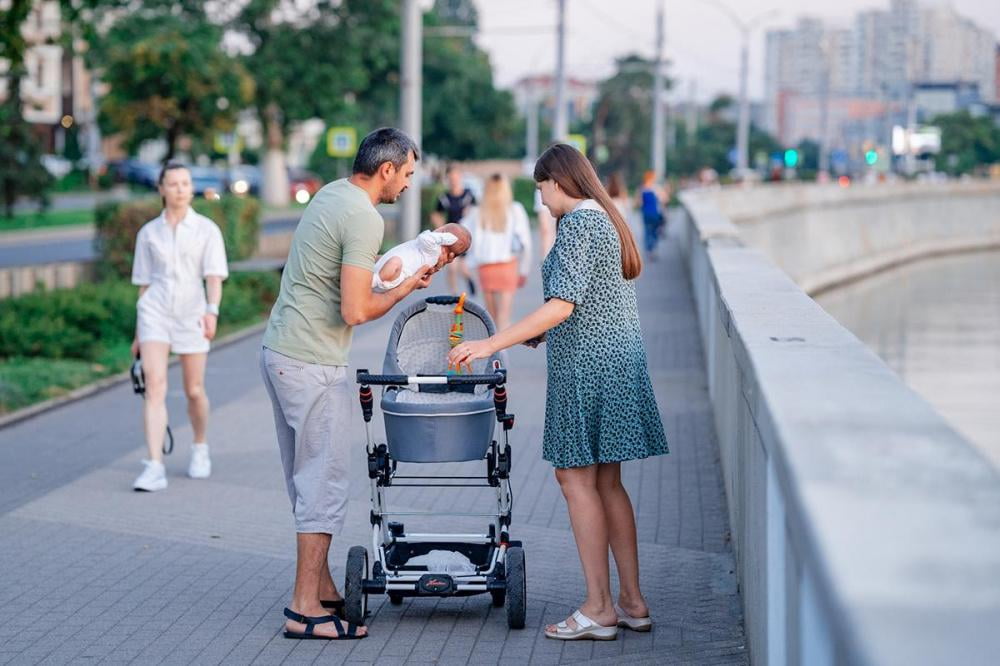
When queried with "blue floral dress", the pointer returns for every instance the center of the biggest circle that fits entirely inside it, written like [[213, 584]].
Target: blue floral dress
[[599, 404]]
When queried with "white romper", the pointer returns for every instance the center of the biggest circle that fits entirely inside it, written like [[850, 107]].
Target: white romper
[[174, 264]]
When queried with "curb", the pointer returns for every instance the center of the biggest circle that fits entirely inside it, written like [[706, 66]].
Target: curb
[[107, 382]]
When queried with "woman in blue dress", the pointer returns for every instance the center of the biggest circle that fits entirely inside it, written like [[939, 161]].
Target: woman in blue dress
[[600, 410]]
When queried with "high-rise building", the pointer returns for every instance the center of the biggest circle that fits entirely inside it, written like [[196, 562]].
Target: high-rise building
[[818, 77]]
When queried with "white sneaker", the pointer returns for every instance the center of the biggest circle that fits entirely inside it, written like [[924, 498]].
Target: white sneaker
[[201, 463], [153, 478]]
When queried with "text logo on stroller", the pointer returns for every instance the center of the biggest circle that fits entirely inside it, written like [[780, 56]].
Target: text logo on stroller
[[436, 584]]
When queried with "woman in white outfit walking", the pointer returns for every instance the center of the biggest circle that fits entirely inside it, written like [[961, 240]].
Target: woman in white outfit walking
[[177, 255], [501, 247]]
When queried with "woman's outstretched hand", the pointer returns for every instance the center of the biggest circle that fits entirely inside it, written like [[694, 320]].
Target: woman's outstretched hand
[[467, 352]]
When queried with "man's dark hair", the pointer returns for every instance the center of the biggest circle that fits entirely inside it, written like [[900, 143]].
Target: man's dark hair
[[386, 144]]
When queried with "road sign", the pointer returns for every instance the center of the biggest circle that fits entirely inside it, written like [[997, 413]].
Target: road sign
[[341, 141], [223, 142], [578, 141]]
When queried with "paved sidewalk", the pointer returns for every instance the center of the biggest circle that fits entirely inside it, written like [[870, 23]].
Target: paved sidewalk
[[90, 571]]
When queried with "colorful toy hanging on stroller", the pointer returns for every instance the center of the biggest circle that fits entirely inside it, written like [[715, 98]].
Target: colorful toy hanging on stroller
[[435, 414]]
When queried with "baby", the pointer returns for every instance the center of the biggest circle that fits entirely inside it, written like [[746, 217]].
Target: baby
[[430, 248]]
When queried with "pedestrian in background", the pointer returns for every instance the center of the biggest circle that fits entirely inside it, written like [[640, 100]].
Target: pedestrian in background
[[177, 255], [501, 247], [619, 195], [599, 407], [652, 213], [451, 207]]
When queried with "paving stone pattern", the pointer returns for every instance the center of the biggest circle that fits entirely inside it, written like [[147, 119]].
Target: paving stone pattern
[[91, 572]]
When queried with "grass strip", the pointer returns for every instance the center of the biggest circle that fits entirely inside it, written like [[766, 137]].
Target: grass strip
[[49, 218]]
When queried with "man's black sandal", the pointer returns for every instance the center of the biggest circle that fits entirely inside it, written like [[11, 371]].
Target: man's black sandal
[[336, 605], [311, 622]]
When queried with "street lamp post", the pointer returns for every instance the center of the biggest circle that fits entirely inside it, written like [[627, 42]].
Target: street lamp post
[[659, 151], [743, 121], [560, 126], [410, 85]]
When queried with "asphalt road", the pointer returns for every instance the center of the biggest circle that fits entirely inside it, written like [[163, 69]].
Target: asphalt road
[[78, 245]]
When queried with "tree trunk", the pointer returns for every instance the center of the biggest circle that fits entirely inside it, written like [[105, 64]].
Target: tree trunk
[[171, 145], [275, 172]]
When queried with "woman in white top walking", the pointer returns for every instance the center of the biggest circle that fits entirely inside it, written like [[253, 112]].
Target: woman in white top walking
[[501, 247], [177, 255]]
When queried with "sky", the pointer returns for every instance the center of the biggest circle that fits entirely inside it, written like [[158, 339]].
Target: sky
[[701, 42]]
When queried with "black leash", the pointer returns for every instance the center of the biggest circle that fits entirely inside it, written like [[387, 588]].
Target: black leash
[[139, 386]]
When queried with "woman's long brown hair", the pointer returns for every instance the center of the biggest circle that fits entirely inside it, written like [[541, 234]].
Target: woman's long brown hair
[[567, 166]]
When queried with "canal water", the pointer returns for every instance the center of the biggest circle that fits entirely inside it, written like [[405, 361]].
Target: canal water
[[936, 322]]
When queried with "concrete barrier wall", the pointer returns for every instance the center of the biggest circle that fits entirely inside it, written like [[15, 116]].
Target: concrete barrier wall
[[866, 530], [18, 280], [825, 235]]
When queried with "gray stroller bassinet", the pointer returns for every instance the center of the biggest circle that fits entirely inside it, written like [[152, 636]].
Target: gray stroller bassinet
[[432, 416], [435, 422]]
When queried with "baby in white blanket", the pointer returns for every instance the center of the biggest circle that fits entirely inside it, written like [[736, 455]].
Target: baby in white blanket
[[430, 248]]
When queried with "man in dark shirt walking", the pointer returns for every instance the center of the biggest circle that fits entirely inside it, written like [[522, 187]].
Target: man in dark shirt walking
[[451, 207]]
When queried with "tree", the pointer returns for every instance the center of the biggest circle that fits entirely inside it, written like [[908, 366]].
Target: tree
[[310, 62], [21, 170], [464, 115], [714, 143], [967, 142], [168, 77], [623, 117]]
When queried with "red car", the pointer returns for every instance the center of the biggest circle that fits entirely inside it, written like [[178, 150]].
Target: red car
[[302, 185]]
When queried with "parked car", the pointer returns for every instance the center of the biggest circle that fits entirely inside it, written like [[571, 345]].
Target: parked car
[[245, 179], [204, 178], [303, 185], [133, 171], [248, 179]]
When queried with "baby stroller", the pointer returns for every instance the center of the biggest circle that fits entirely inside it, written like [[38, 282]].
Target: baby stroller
[[435, 417]]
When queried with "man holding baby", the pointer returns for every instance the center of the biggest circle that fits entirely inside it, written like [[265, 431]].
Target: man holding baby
[[326, 290]]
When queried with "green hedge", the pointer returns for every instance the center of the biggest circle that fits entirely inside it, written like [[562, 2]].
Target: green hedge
[[53, 342], [85, 321], [117, 225], [524, 192]]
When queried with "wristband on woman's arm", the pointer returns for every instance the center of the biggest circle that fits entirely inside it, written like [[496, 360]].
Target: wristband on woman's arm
[[212, 309]]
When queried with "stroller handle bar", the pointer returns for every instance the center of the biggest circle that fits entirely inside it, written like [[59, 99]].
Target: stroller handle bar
[[499, 376]]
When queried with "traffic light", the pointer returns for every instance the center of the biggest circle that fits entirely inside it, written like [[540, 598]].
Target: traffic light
[[871, 157], [791, 158]]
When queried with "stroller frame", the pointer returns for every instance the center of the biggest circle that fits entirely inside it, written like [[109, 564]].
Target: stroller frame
[[499, 562]]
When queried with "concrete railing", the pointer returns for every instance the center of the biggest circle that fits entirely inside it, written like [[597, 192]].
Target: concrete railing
[[17, 280], [272, 249], [825, 235], [866, 530]]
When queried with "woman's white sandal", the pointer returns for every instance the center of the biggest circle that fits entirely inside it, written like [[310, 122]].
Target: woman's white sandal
[[626, 621], [585, 629]]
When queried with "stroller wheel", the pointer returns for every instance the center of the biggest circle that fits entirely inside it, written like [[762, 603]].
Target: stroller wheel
[[517, 588], [499, 596], [355, 598], [395, 599]]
